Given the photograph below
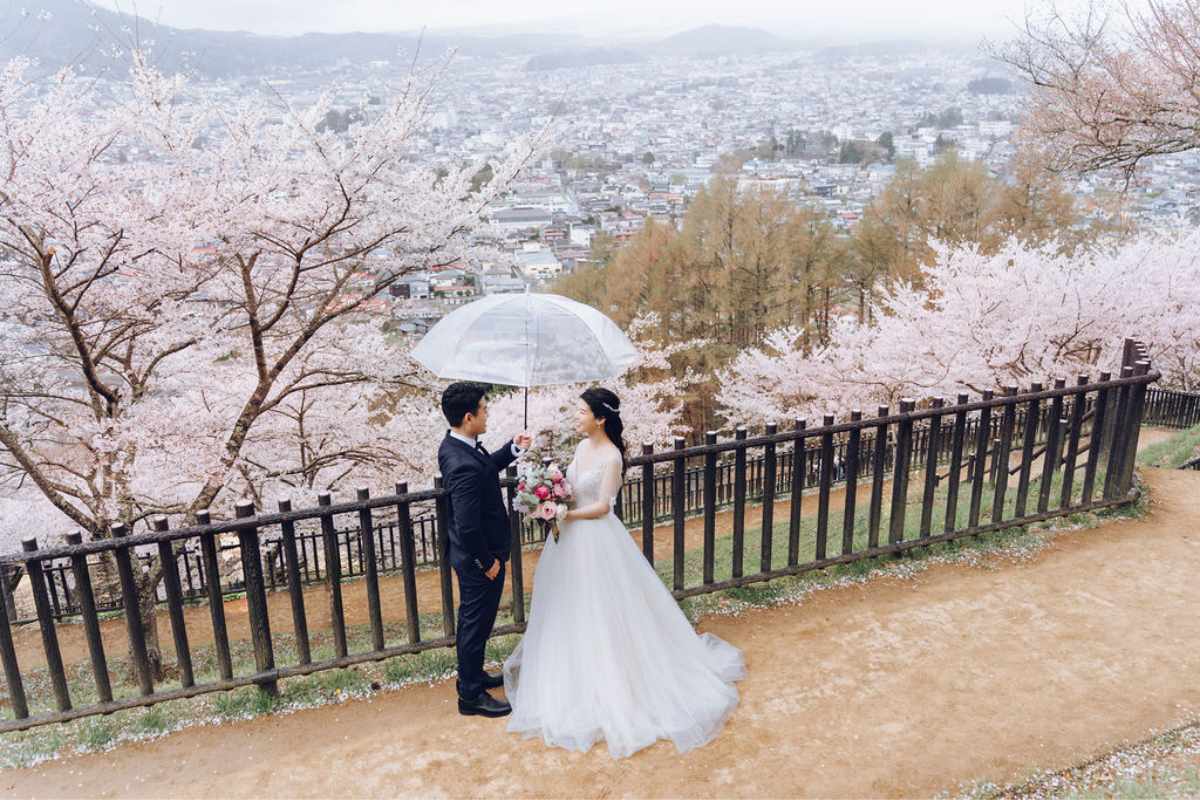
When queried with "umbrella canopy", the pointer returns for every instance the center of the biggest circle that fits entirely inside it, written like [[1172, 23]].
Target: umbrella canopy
[[526, 340]]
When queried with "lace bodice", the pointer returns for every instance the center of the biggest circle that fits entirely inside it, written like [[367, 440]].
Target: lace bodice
[[593, 479]]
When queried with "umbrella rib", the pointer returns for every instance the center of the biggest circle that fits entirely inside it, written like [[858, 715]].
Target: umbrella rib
[[530, 343]]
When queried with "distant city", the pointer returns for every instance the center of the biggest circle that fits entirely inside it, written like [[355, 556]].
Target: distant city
[[638, 131]]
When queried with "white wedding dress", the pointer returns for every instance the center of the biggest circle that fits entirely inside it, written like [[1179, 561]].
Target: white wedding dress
[[608, 655]]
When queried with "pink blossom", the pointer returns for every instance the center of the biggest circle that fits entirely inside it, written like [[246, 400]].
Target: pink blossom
[[561, 491], [556, 476], [521, 486], [131, 241], [542, 492], [547, 511]]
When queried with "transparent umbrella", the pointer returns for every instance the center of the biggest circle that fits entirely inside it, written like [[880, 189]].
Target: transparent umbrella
[[526, 340]]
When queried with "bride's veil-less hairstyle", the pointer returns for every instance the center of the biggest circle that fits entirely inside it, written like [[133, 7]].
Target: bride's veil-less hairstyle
[[607, 406]]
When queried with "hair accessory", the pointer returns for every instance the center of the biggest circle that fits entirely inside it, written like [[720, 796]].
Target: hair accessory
[[606, 405]]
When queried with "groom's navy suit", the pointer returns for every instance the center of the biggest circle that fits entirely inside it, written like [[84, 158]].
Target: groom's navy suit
[[478, 535]]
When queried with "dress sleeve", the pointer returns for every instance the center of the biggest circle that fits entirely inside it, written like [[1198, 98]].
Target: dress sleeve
[[610, 484]]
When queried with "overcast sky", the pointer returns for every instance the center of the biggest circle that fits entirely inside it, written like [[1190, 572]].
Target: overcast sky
[[932, 20]]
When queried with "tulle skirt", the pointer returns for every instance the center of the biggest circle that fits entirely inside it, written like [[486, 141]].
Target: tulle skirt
[[608, 655]]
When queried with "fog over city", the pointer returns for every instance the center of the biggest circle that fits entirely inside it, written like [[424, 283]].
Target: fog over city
[[806, 20]]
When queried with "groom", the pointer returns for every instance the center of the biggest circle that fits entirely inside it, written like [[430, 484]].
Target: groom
[[479, 542]]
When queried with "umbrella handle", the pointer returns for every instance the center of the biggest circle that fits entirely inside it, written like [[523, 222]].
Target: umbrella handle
[[526, 408]]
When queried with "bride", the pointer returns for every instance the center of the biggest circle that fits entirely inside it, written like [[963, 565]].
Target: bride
[[607, 654]]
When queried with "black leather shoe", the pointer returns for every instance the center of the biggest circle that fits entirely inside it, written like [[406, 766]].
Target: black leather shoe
[[485, 706], [491, 681]]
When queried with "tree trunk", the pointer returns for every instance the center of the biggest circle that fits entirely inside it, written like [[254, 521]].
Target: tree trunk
[[108, 587], [147, 583]]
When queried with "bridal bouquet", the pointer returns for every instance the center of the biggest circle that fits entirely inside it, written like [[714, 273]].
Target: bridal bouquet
[[544, 494]]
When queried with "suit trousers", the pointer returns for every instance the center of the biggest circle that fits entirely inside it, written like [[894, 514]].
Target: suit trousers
[[478, 601]]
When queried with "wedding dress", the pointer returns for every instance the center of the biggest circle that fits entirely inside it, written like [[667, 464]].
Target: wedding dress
[[607, 654]]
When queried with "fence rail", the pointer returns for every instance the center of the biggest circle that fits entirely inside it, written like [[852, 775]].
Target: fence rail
[[956, 456]]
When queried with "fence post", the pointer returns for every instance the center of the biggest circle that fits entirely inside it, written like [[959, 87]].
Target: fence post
[[1118, 445], [739, 502], [170, 568], [878, 459], [408, 567], [768, 506], [900, 474], [932, 448], [958, 440], [1096, 441], [45, 615], [824, 484], [1053, 450], [256, 598], [648, 504], [1028, 441], [443, 535], [1075, 427], [216, 599], [678, 487], [12, 668], [516, 568], [133, 614], [983, 436], [1137, 404], [333, 576], [1112, 423], [853, 446], [710, 506], [1001, 454], [6, 592], [295, 584], [91, 622], [798, 481], [366, 543]]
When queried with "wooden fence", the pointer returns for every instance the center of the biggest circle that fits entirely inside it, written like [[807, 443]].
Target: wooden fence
[[193, 577], [960, 459], [1171, 409]]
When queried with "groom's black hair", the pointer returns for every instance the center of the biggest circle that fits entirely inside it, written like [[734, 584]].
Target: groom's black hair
[[460, 399]]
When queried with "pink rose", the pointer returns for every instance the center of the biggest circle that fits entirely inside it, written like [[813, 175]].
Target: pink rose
[[556, 476], [521, 486], [547, 511], [542, 492], [561, 491]]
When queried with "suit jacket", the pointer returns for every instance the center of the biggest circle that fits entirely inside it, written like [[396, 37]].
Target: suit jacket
[[477, 524]]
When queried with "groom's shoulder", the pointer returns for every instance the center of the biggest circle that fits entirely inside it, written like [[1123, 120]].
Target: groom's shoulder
[[451, 451]]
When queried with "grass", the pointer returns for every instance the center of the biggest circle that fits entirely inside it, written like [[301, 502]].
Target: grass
[[1014, 543], [98, 733], [1173, 452], [1164, 765]]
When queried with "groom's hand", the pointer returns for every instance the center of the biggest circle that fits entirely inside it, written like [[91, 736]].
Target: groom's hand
[[523, 441], [494, 571]]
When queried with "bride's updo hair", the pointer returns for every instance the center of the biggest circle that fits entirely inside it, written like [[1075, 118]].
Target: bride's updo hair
[[607, 406]]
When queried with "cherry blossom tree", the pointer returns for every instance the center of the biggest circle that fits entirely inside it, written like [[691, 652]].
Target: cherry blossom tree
[[1113, 84], [980, 321], [188, 289]]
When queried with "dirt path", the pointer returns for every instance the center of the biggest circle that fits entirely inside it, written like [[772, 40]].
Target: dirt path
[[429, 598], [896, 688]]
